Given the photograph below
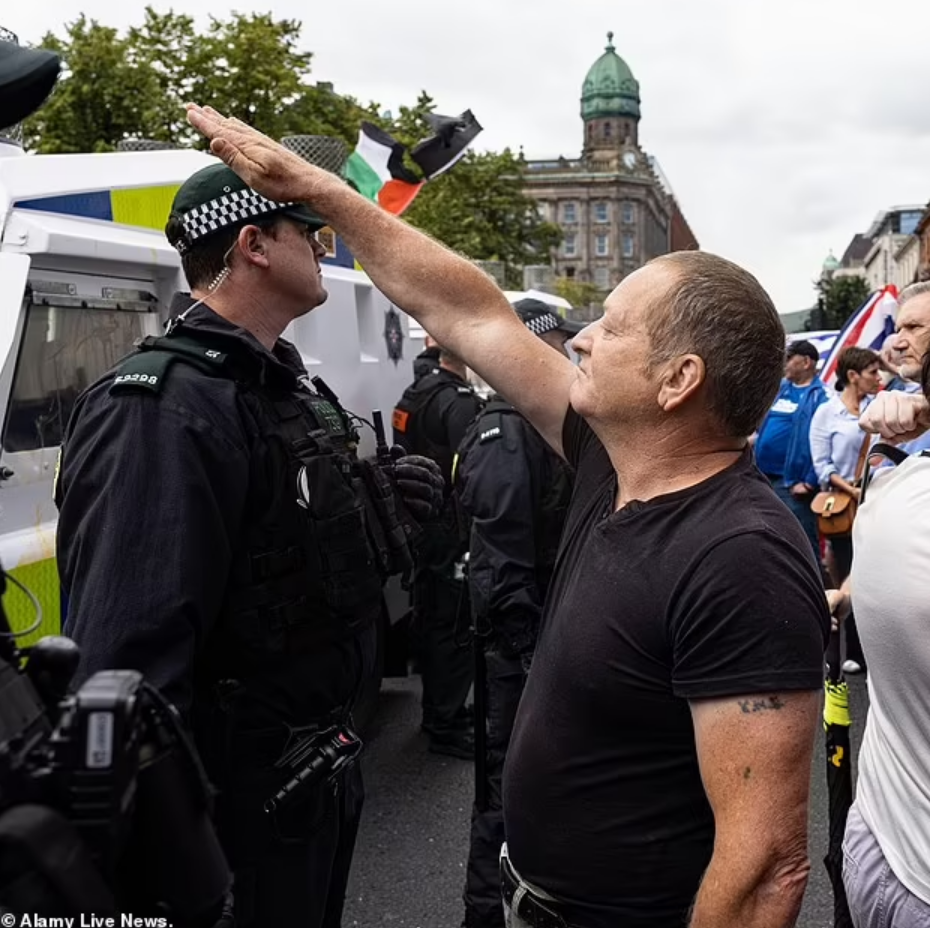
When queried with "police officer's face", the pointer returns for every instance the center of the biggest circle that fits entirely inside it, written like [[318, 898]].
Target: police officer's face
[[615, 382], [297, 265], [556, 339]]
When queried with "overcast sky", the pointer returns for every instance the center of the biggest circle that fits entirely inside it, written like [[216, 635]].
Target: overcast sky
[[783, 128]]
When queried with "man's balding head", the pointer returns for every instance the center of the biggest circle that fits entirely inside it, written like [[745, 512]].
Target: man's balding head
[[720, 312]]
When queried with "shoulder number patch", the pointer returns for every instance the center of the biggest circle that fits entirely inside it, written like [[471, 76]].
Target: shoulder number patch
[[489, 434]]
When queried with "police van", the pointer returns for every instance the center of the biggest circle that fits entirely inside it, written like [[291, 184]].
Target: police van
[[85, 271]]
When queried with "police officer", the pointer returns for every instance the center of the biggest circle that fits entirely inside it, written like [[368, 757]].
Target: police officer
[[430, 419], [427, 360], [219, 533], [515, 490]]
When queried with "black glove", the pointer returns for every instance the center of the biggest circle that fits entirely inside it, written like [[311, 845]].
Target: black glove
[[419, 483]]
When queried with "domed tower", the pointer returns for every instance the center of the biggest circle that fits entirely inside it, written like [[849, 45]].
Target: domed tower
[[610, 103]]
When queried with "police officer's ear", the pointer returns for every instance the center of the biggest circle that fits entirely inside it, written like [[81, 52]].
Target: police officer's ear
[[252, 245]]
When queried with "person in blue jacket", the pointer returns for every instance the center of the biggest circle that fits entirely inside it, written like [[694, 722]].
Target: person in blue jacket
[[782, 444]]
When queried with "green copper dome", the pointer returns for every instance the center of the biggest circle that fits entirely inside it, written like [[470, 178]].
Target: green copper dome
[[610, 88], [830, 263]]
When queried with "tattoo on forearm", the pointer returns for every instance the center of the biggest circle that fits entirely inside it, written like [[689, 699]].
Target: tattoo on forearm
[[770, 703]]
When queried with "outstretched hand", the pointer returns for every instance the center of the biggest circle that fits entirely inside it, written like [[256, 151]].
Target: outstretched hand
[[264, 164]]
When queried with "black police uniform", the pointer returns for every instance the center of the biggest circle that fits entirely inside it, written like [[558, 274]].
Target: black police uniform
[[516, 491], [214, 535], [431, 419]]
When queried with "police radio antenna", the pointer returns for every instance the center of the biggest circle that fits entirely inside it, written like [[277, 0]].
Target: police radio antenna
[[382, 451]]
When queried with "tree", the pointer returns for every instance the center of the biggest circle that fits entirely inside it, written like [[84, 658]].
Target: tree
[[250, 68], [102, 95], [479, 209], [838, 298], [579, 293], [113, 88]]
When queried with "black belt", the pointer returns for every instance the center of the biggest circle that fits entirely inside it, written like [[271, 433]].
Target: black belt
[[536, 912]]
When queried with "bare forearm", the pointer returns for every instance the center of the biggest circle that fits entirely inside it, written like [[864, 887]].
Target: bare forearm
[[773, 901], [441, 290], [842, 484]]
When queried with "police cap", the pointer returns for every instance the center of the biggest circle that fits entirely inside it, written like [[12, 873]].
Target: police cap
[[540, 317], [217, 198]]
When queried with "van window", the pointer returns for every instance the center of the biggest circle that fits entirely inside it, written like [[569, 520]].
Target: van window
[[64, 350]]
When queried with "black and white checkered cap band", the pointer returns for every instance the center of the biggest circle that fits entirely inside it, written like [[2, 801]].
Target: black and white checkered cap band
[[228, 210], [539, 325]]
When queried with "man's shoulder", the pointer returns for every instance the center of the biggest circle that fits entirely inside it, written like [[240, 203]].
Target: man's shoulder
[[143, 387]]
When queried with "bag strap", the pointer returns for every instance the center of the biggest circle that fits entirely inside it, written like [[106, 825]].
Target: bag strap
[[880, 449], [863, 455]]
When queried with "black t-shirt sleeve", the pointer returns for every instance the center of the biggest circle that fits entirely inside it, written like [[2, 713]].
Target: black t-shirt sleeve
[[749, 618]]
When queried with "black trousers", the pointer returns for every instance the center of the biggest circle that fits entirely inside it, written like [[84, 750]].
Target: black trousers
[[482, 896], [443, 644], [292, 870]]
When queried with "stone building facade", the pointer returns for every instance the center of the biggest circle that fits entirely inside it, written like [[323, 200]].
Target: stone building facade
[[614, 205]]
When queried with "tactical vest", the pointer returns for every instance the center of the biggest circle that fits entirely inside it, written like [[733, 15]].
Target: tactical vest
[[410, 425], [556, 496], [305, 571]]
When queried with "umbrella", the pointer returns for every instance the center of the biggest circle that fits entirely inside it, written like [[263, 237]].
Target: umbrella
[[836, 723]]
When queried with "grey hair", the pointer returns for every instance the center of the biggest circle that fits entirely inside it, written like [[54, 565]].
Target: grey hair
[[909, 292]]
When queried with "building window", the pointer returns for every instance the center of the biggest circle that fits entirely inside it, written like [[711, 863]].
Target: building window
[[627, 213], [602, 277], [628, 245], [600, 212], [607, 128], [602, 245], [569, 246], [570, 272], [569, 212]]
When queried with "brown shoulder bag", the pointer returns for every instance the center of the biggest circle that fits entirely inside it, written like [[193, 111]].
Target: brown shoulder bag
[[835, 508]]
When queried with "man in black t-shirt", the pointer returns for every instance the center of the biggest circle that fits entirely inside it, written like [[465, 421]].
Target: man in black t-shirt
[[660, 765]]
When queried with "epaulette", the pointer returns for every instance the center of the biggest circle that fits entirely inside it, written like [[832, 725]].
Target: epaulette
[[149, 366]]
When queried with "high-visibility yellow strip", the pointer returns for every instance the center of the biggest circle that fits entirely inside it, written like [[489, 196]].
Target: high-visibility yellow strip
[[143, 206], [836, 704], [41, 578]]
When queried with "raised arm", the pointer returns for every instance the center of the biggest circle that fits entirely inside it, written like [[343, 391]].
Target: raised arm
[[458, 304]]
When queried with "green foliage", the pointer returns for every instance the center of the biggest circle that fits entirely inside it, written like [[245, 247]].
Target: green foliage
[[838, 299], [579, 293], [101, 97]]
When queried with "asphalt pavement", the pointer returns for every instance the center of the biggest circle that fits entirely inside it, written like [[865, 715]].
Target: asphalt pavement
[[409, 865]]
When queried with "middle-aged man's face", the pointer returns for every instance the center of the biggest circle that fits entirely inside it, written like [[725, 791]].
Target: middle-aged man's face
[[913, 335], [799, 368], [296, 264], [614, 383]]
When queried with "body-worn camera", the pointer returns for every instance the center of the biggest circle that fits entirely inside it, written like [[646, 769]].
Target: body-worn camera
[[104, 807]]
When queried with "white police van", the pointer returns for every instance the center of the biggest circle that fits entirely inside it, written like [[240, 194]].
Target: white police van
[[85, 271]]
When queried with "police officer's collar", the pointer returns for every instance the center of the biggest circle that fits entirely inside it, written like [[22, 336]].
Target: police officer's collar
[[283, 362]]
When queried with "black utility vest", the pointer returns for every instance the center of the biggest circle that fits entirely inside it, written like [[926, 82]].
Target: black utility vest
[[411, 423], [556, 496], [305, 572]]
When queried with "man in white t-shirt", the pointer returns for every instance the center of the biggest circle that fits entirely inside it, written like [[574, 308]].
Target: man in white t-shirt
[[887, 845]]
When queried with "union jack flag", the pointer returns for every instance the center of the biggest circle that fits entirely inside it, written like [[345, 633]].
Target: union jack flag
[[868, 327]]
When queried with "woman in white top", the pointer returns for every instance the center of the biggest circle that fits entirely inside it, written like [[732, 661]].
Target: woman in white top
[[836, 441]]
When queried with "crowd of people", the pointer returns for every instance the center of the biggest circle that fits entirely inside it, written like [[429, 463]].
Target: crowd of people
[[644, 556]]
